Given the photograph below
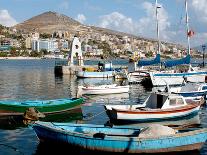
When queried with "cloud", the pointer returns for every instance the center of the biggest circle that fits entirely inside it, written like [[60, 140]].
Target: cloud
[[199, 7], [6, 19], [117, 21], [81, 18], [64, 5], [145, 26]]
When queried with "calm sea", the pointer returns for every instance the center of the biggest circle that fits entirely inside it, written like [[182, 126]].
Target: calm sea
[[34, 79]]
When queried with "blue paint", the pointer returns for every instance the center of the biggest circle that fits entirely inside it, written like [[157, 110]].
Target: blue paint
[[180, 74], [40, 103]]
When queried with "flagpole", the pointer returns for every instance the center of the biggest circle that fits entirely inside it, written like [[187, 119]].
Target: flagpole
[[187, 25], [158, 33]]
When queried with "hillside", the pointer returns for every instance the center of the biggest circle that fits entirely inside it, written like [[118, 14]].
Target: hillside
[[47, 22], [50, 22]]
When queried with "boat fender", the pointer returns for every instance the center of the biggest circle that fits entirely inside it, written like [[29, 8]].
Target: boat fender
[[99, 135]]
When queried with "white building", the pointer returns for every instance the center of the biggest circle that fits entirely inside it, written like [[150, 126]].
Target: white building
[[50, 45]]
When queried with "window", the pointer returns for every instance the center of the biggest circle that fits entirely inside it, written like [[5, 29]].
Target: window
[[178, 101], [204, 88]]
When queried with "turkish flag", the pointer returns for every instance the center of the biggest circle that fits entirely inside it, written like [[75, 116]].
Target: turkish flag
[[191, 33]]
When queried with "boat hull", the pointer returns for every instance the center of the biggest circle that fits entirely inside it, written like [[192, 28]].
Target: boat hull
[[47, 106], [105, 90], [151, 115], [192, 140], [105, 74], [160, 79]]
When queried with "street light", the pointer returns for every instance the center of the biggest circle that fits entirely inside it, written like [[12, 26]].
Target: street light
[[203, 47]]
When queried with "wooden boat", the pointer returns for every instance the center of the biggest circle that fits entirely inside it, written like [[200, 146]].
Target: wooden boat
[[8, 108], [104, 89], [158, 106], [118, 139]]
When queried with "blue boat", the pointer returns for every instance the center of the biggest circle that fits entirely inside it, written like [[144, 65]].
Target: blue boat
[[118, 139]]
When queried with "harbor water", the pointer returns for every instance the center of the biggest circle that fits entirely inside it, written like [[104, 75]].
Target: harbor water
[[35, 80]]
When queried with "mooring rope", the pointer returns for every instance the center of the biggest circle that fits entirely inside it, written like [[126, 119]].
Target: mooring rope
[[13, 148], [95, 115]]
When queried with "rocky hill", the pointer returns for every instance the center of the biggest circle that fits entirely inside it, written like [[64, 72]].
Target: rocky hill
[[47, 22]]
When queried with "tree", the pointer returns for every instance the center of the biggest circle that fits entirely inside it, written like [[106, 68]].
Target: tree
[[43, 51], [45, 35], [14, 51], [35, 54], [149, 54]]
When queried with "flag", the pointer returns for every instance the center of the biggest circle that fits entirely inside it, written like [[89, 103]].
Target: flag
[[191, 33]]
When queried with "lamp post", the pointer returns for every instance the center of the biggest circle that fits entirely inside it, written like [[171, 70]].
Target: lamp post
[[203, 47]]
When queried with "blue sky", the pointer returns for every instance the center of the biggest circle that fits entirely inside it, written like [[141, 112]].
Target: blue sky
[[131, 16]]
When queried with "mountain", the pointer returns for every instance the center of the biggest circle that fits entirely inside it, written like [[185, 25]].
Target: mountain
[[50, 22], [47, 22]]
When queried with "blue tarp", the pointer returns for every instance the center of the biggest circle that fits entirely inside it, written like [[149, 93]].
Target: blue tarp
[[171, 63], [156, 60]]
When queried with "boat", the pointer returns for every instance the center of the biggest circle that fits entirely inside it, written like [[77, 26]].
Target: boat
[[104, 89], [191, 91], [157, 107], [9, 108], [120, 139], [104, 70], [176, 77]]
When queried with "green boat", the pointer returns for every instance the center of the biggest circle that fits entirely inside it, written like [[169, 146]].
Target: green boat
[[8, 108]]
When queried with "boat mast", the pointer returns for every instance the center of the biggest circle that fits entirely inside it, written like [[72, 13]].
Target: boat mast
[[187, 25], [158, 33]]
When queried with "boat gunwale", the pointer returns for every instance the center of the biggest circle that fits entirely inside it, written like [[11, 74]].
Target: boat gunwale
[[159, 111], [115, 138]]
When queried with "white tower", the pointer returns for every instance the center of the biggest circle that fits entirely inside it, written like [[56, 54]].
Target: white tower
[[75, 52]]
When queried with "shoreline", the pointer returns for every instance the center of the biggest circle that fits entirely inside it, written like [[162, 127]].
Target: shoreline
[[19, 58]]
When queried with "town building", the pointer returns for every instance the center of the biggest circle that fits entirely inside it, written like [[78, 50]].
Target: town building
[[51, 45]]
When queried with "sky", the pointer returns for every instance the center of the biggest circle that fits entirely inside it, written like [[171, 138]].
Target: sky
[[131, 16]]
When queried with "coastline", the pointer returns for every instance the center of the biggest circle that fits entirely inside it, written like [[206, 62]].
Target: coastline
[[18, 58]]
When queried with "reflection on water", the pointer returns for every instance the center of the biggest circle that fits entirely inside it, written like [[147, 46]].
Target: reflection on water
[[45, 148], [34, 79]]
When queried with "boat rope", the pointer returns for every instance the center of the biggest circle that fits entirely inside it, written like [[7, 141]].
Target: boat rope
[[13, 148], [93, 116]]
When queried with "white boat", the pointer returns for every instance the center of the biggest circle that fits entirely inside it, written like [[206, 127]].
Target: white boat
[[173, 77], [104, 89], [193, 91], [158, 106], [102, 74]]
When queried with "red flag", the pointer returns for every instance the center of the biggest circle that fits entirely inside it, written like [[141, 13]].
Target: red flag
[[191, 33]]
